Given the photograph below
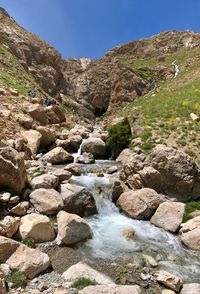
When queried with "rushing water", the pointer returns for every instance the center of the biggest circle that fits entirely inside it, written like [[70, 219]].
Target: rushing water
[[108, 240]]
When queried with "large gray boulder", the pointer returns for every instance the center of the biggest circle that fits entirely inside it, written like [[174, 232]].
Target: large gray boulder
[[95, 146], [12, 170], [139, 204], [71, 229], [169, 216], [190, 233], [77, 200]]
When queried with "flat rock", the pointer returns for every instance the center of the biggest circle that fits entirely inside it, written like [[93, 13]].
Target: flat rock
[[169, 216]]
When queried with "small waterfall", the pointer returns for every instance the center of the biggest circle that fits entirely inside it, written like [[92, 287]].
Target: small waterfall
[[78, 153]]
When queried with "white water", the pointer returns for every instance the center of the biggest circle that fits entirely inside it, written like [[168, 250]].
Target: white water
[[108, 240], [78, 153]]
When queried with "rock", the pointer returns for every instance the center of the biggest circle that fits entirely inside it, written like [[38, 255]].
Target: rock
[[14, 92], [36, 226], [75, 141], [169, 280], [7, 248], [2, 91], [71, 229], [62, 174], [25, 121], [56, 114], [190, 233], [12, 170], [112, 169], [82, 270], [33, 139], [168, 292], [5, 197], [191, 289], [38, 113], [139, 204], [80, 130], [149, 261], [63, 143], [61, 291], [21, 208], [58, 156], [123, 121], [124, 156], [4, 269], [169, 216], [14, 200], [78, 200], [2, 286], [117, 188], [95, 146], [64, 135], [128, 234], [74, 170], [194, 117], [48, 136], [111, 289], [9, 226], [47, 201], [86, 158], [46, 181], [28, 260]]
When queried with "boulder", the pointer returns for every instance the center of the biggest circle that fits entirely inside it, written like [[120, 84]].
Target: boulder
[[78, 200], [124, 156], [9, 226], [80, 130], [71, 229], [85, 158], [123, 121], [111, 289], [62, 174], [139, 204], [36, 226], [149, 261], [38, 113], [46, 181], [33, 139], [28, 260], [7, 248], [190, 234], [12, 170], [48, 136], [169, 216], [58, 156], [191, 289], [55, 114], [169, 280], [47, 201], [82, 270], [75, 141], [95, 146], [25, 121], [20, 209], [62, 143]]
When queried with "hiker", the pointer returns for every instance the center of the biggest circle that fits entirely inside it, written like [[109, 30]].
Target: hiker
[[47, 101], [31, 93], [176, 69]]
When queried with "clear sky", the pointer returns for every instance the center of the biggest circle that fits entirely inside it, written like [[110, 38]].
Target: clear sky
[[89, 28]]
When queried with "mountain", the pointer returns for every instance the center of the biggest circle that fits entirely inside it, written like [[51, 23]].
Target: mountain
[[135, 79]]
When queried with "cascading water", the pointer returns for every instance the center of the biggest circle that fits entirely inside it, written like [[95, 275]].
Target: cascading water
[[108, 240]]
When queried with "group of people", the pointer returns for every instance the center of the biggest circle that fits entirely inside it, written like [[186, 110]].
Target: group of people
[[47, 101]]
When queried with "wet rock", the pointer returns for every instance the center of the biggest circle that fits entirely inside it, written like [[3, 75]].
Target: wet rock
[[111, 289], [149, 261], [33, 139], [169, 280], [58, 156], [82, 270], [75, 141], [12, 170], [36, 226], [169, 216], [28, 260], [112, 170], [139, 204], [20, 209], [85, 158], [47, 201], [46, 181], [190, 233], [78, 200], [71, 229], [95, 146], [128, 234], [191, 289]]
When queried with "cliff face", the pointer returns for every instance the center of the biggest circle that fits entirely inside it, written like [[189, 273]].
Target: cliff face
[[90, 87]]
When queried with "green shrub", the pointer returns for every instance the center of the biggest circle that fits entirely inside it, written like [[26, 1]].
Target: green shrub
[[82, 283], [190, 207], [118, 138], [19, 279], [29, 241]]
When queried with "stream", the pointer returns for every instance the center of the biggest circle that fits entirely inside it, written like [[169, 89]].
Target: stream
[[108, 225]]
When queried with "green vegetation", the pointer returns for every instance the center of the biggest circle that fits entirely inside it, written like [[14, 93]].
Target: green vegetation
[[82, 283], [118, 138], [19, 279], [29, 241], [190, 207]]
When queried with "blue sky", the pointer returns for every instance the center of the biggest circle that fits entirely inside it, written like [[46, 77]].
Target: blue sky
[[89, 28]]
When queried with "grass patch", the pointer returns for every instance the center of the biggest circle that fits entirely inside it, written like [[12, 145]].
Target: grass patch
[[82, 283], [190, 207], [17, 278], [29, 241]]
